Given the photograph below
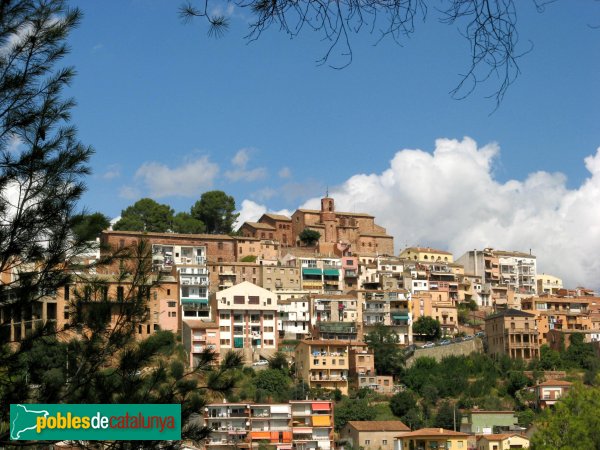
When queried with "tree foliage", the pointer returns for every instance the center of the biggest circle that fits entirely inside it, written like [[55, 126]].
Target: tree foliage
[[572, 424], [309, 237], [447, 416], [216, 210], [186, 224], [402, 402], [352, 409], [488, 26], [87, 227], [427, 327], [272, 385], [146, 215], [41, 161], [389, 359]]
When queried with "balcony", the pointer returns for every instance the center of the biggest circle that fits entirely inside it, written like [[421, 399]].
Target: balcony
[[350, 273], [337, 327]]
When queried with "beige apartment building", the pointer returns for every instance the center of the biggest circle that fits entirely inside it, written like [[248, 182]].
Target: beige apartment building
[[323, 364], [513, 333], [280, 278], [371, 434], [548, 284], [426, 255], [438, 305], [266, 251], [247, 318], [560, 313]]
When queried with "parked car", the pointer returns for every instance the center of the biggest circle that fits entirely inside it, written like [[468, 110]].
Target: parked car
[[428, 345], [261, 362], [468, 338], [445, 342], [480, 334]]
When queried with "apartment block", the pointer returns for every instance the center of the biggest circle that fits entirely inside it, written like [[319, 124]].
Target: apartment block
[[294, 318], [323, 364], [296, 425], [560, 313], [548, 284], [335, 316], [247, 319], [266, 251], [219, 247], [514, 333], [189, 262], [438, 305], [199, 336], [280, 278], [391, 308], [224, 275]]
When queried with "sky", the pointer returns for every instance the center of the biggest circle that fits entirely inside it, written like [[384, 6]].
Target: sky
[[173, 113]]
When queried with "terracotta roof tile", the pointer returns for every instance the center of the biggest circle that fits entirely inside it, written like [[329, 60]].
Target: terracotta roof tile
[[378, 425]]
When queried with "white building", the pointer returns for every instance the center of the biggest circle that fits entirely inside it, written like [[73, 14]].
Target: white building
[[294, 318], [190, 263], [247, 319]]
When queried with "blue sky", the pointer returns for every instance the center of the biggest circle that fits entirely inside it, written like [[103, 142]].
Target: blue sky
[[172, 113]]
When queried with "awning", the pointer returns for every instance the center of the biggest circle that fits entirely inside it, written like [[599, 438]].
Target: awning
[[260, 435], [400, 316], [321, 406], [331, 272], [194, 301], [308, 271], [280, 409], [321, 421]]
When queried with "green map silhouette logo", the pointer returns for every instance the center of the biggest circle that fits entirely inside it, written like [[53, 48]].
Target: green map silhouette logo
[[24, 420]]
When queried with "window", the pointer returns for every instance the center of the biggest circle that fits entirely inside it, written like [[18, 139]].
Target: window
[[120, 293], [367, 442], [239, 299], [253, 299], [225, 328], [220, 246], [171, 304], [224, 316], [384, 441], [225, 342]]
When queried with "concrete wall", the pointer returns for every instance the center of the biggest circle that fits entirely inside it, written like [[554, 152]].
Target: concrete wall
[[460, 348]]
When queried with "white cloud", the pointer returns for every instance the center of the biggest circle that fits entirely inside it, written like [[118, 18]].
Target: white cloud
[[113, 171], [285, 172], [451, 200], [187, 180], [251, 212], [240, 171], [129, 192]]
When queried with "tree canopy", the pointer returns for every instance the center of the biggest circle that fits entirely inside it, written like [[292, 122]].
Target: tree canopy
[[216, 210], [383, 341], [572, 424], [352, 409], [309, 237], [88, 227], [42, 162], [427, 328], [146, 215]]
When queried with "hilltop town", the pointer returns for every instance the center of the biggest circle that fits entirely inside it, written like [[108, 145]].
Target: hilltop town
[[322, 296]]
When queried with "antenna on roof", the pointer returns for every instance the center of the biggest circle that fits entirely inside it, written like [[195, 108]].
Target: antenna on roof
[[327, 191]]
